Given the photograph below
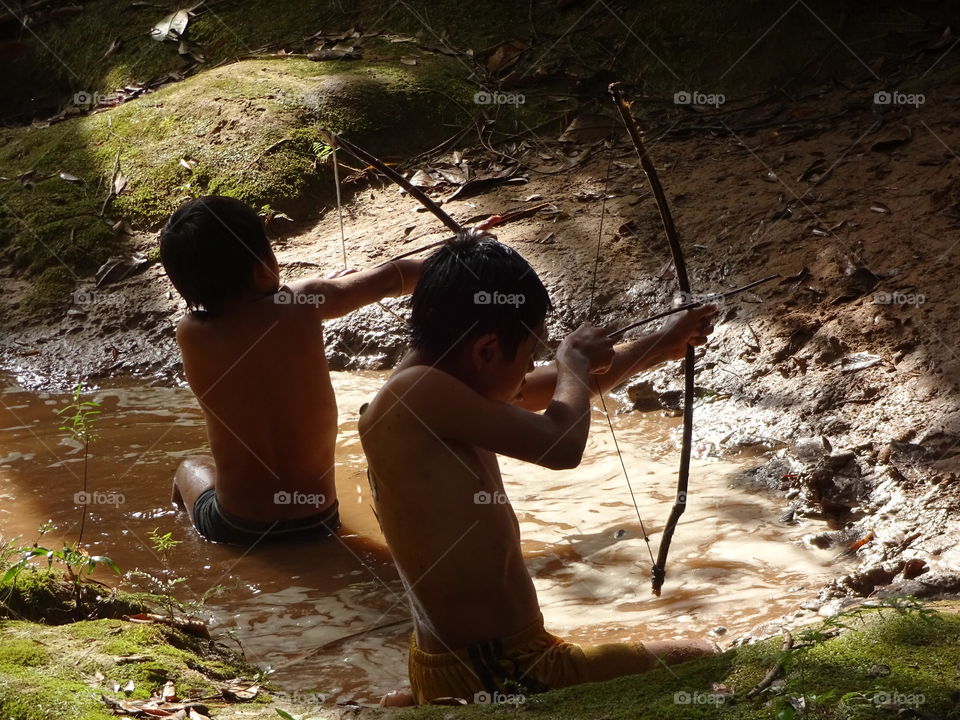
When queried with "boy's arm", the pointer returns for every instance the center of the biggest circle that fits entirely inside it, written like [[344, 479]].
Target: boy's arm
[[452, 410], [670, 343], [342, 295]]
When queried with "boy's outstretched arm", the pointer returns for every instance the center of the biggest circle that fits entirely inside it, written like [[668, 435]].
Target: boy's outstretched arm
[[669, 343], [453, 411], [349, 292]]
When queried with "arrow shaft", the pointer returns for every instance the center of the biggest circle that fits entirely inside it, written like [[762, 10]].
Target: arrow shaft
[[400, 180], [688, 306]]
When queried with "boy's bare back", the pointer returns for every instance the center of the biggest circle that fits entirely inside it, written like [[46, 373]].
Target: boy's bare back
[[253, 354], [261, 377]]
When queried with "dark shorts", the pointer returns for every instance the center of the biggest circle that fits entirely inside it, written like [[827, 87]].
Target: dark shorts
[[217, 525]]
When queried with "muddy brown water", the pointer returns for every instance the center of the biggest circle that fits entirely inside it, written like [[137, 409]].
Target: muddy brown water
[[732, 563]]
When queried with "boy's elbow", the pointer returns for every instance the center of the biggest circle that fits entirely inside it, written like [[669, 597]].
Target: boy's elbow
[[564, 456]]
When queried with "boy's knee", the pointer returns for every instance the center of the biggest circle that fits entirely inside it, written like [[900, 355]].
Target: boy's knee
[[175, 497], [194, 476]]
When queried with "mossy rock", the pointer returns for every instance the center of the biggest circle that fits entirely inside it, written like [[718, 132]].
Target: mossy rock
[[681, 44], [44, 595], [249, 130], [62, 672]]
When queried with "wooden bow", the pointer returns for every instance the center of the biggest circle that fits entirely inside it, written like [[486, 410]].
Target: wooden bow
[[659, 570]]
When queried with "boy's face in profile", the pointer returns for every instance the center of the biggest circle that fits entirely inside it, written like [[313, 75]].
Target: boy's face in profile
[[499, 377]]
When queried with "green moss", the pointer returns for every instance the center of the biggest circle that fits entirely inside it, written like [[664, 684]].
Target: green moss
[[906, 652], [43, 595], [893, 654], [245, 130], [24, 653], [55, 672]]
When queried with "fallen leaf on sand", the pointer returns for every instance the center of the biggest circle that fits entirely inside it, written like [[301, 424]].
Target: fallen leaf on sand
[[171, 27]]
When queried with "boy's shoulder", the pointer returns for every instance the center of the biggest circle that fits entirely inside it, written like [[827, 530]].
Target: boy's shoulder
[[410, 387], [424, 379], [188, 326]]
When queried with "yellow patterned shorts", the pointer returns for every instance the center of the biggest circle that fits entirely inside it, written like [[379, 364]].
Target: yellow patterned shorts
[[528, 662]]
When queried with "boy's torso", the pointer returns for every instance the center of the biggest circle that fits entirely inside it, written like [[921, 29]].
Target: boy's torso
[[261, 377], [452, 532]]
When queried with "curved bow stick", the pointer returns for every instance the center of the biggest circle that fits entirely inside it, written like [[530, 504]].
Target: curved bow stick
[[335, 141], [400, 180], [659, 571]]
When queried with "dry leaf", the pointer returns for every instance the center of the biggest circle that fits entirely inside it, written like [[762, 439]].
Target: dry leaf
[[169, 692], [114, 46], [240, 693], [339, 51], [505, 55], [858, 361], [171, 27]]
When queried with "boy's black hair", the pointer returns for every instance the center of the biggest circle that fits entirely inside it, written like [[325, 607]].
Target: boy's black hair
[[470, 287], [209, 248]]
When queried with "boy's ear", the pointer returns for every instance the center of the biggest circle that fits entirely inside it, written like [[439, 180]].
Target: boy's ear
[[266, 273], [484, 350]]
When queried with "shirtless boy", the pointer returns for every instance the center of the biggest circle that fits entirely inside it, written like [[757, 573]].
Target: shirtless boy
[[253, 354], [466, 393]]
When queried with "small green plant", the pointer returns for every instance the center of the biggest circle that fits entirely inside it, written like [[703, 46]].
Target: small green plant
[[189, 191], [78, 422], [269, 214], [76, 564], [162, 543], [322, 149], [155, 585], [288, 716], [195, 607]]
